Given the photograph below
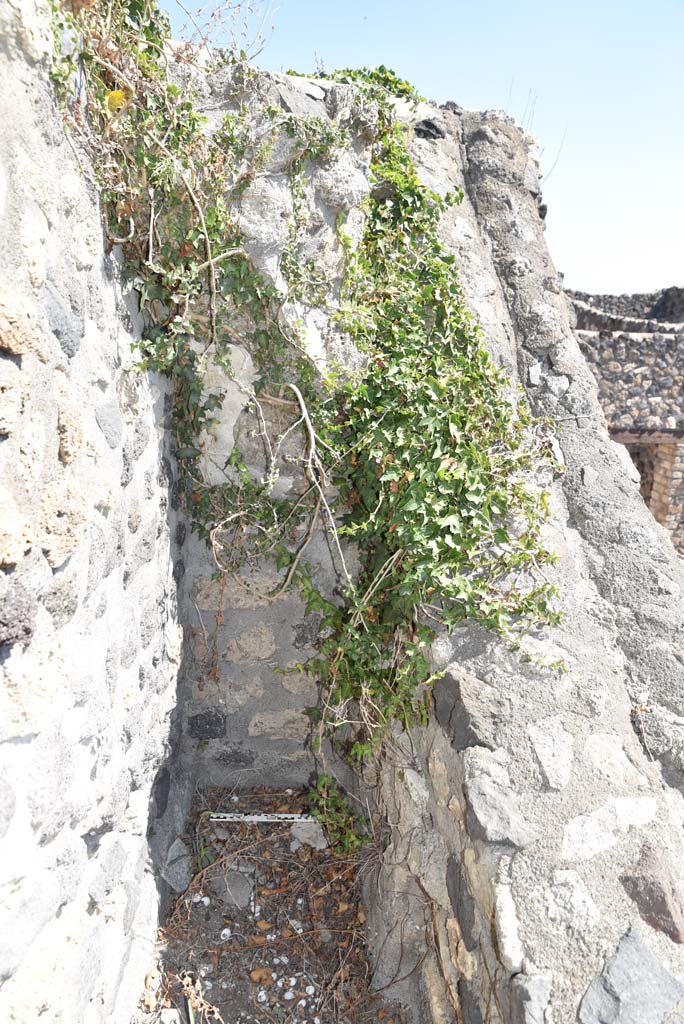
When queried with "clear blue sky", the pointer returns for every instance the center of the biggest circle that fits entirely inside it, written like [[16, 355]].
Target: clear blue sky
[[601, 86]]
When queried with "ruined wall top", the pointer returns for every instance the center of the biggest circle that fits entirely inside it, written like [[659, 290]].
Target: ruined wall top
[[634, 345]]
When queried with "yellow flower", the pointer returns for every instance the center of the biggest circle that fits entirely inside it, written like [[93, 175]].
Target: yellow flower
[[115, 100]]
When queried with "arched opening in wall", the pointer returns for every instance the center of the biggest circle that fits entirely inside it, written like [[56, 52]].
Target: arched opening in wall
[[659, 457], [643, 457]]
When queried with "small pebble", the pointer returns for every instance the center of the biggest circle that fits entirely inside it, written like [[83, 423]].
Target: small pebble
[[226, 933], [302, 1002], [235, 799], [262, 997], [309, 990], [280, 983], [299, 902], [284, 959], [292, 982], [206, 901], [276, 960], [196, 897], [224, 984], [289, 995], [274, 975], [289, 792], [271, 936]]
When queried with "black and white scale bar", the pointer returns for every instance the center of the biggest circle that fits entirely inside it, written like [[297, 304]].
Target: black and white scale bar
[[249, 819]]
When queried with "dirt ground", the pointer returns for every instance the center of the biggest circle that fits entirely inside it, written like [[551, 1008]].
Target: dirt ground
[[271, 927]]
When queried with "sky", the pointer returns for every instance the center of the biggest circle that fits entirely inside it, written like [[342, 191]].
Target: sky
[[600, 85]]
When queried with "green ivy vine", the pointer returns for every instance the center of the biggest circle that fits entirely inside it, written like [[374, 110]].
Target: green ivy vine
[[433, 452]]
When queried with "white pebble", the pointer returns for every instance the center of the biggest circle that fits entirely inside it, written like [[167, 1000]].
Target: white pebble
[[289, 995], [274, 975], [226, 933], [280, 983], [257, 910], [224, 984], [289, 792], [262, 997], [197, 897], [275, 960], [285, 959], [309, 990], [235, 799], [206, 901], [271, 936], [208, 984], [302, 1002], [299, 902], [292, 982]]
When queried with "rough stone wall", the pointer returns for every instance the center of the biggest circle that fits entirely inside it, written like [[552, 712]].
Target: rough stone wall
[[89, 642], [541, 812], [531, 868], [243, 700]]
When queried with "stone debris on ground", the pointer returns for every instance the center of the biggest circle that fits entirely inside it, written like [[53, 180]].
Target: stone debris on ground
[[270, 926]]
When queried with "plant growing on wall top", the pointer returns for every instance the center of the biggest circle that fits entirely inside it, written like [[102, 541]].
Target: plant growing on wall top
[[435, 457]]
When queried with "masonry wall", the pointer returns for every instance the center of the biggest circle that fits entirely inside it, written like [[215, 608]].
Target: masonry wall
[[530, 865], [89, 637], [537, 820], [640, 377]]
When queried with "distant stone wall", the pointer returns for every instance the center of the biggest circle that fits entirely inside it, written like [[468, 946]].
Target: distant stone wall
[[640, 378], [667, 493], [638, 365], [89, 641], [665, 306]]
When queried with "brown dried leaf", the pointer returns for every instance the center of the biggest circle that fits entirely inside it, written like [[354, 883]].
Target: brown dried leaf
[[261, 976]]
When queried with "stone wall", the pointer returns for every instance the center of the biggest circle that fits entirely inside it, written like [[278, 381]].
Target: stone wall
[[89, 641], [638, 364], [529, 869], [518, 876], [640, 377], [525, 817]]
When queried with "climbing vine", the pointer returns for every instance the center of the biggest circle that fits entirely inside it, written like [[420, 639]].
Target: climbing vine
[[435, 459]]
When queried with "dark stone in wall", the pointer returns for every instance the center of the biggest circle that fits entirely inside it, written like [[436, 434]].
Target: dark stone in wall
[[66, 327], [470, 1003], [306, 632], [160, 792], [208, 725], [62, 599], [17, 611], [468, 710], [237, 756], [655, 891], [462, 902], [428, 129], [670, 306]]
